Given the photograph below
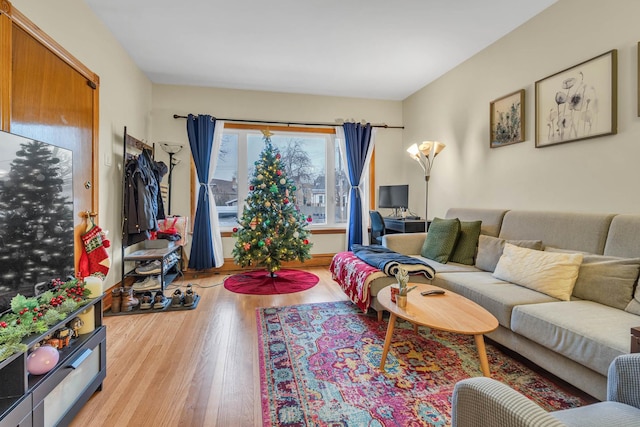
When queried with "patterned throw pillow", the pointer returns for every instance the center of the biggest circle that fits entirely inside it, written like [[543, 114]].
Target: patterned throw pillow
[[465, 250], [441, 239]]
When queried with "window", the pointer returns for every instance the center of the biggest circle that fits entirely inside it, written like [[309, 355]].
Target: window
[[311, 158]]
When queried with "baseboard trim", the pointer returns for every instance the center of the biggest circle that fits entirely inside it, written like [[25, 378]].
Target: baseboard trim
[[229, 266]]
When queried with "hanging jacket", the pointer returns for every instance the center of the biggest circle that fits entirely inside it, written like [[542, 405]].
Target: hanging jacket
[[141, 198]]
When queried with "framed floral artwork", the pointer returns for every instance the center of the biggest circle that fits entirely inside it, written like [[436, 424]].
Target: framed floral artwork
[[579, 102], [507, 119]]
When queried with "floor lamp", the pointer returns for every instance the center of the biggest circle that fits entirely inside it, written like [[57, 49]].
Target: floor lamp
[[171, 150], [425, 154]]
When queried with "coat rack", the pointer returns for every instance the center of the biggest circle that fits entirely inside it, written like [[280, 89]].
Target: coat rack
[[171, 149]]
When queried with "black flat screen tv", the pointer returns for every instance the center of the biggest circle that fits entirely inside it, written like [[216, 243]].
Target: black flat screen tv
[[36, 216], [393, 196]]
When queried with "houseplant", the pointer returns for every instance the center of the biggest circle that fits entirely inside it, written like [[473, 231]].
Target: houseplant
[[402, 276]]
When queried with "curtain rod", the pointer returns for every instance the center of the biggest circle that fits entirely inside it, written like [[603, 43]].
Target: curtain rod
[[275, 122]]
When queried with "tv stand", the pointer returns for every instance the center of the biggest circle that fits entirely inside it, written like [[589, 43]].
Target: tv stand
[[56, 397]]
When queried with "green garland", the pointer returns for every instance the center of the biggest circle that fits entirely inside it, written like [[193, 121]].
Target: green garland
[[36, 315]]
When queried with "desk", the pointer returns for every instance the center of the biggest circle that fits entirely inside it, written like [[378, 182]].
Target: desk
[[392, 225]]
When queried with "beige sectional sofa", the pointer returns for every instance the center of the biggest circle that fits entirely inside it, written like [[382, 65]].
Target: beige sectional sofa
[[575, 340]]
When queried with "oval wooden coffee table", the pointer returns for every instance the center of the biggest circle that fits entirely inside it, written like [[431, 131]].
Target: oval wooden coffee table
[[449, 312]]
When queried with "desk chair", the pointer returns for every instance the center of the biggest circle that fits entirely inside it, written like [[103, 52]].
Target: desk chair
[[377, 227]]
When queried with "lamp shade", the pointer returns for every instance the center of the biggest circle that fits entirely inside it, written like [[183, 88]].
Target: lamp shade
[[437, 147], [413, 151], [427, 148]]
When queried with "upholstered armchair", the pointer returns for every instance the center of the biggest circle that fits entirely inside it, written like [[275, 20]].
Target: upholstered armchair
[[483, 402]]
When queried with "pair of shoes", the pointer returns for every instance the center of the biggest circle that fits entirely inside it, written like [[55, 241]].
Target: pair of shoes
[[177, 298], [189, 296], [171, 258], [149, 282], [160, 301], [128, 301], [153, 267], [116, 300], [146, 301]]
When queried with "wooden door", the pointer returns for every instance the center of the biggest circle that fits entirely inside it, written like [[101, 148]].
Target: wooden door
[[52, 100]]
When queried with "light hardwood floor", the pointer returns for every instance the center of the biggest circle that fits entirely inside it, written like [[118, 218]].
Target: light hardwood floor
[[190, 368]]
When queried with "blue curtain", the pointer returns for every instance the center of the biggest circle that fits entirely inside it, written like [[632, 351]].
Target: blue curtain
[[357, 141], [200, 132]]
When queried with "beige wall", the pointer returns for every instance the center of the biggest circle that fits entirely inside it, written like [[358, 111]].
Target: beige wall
[[125, 98], [596, 175], [226, 103]]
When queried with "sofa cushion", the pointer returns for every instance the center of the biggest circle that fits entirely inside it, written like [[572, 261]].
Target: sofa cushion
[[490, 250], [571, 230], [491, 218], [634, 304], [496, 296], [589, 333], [605, 279], [551, 273], [604, 413], [441, 239], [467, 245], [448, 267]]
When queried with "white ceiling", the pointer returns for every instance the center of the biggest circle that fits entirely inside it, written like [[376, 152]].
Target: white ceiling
[[378, 49]]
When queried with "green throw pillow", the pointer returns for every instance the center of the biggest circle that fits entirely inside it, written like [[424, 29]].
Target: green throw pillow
[[441, 239], [465, 250]]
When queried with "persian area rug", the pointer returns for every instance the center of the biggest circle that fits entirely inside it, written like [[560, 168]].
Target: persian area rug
[[260, 282], [319, 367]]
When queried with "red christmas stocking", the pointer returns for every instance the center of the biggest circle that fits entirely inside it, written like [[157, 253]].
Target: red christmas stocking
[[94, 258]]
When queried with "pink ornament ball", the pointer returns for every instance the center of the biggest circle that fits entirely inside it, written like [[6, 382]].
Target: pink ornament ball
[[42, 360]]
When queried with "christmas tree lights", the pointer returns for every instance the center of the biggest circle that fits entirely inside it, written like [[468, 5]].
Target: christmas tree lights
[[272, 230]]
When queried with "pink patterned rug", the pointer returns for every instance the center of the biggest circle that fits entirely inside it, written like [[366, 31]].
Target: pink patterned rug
[[319, 367]]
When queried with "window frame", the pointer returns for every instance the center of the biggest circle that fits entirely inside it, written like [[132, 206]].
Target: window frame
[[330, 178]]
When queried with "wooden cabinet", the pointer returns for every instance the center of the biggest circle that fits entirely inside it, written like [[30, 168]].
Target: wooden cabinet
[[56, 397]]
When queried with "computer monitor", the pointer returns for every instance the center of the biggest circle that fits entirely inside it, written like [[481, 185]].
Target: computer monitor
[[394, 197]]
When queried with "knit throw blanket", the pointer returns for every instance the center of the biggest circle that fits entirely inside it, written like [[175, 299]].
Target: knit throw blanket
[[354, 271], [390, 261], [354, 276]]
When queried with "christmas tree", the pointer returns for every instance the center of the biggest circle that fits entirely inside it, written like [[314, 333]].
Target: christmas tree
[[36, 220], [272, 228]]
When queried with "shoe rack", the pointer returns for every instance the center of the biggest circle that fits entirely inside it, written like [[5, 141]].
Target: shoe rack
[[170, 264], [170, 260]]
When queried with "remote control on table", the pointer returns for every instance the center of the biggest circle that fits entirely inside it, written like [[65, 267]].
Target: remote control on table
[[433, 292]]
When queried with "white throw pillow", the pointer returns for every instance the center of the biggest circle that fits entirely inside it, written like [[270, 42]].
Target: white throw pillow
[[551, 273]]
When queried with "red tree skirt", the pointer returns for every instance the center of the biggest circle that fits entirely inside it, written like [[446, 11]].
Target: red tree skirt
[[261, 283]]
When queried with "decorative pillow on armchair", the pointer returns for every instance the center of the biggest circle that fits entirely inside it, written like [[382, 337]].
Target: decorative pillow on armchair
[[441, 239], [550, 273]]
